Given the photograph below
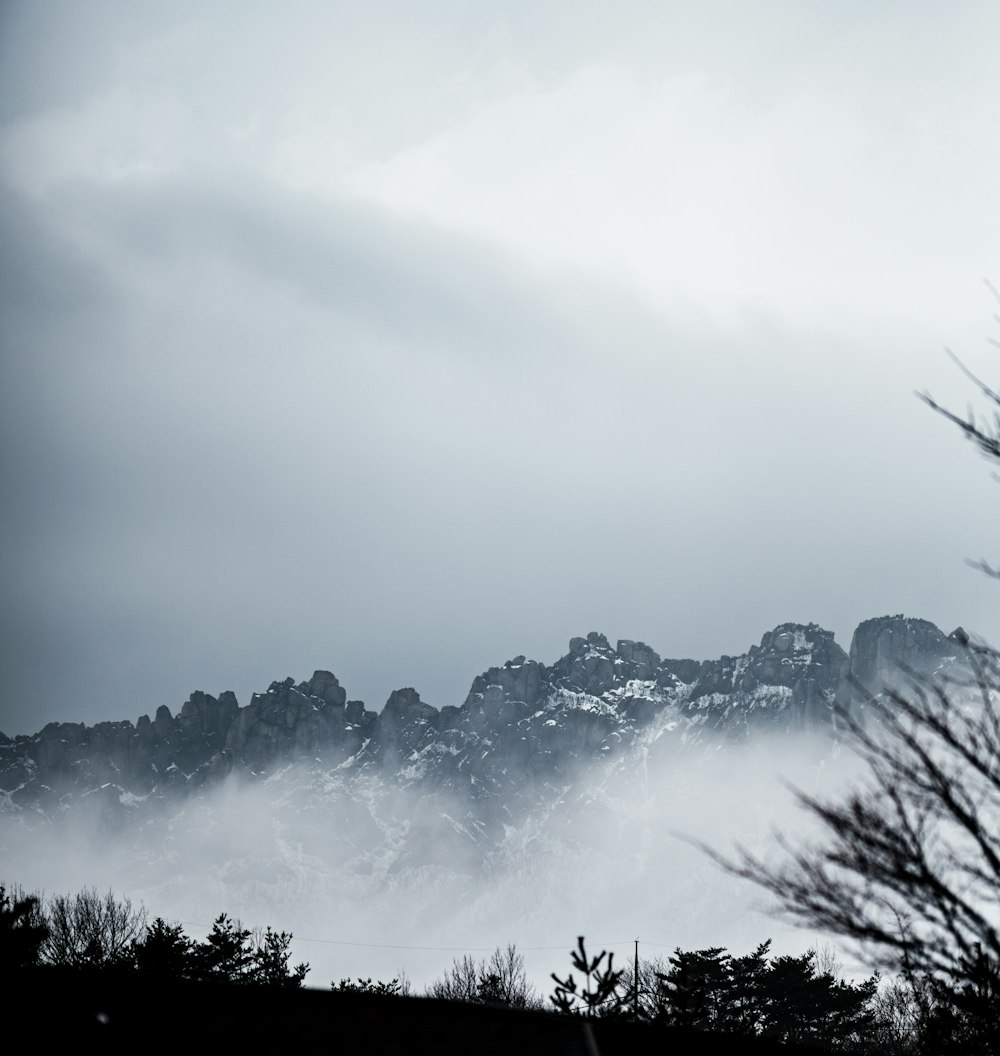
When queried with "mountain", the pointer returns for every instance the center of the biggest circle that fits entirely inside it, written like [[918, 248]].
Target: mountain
[[557, 800], [524, 730]]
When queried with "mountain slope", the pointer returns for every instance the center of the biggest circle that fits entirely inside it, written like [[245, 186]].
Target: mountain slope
[[524, 729]]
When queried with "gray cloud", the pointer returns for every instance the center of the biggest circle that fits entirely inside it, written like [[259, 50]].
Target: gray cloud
[[612, 864], [256, 423]]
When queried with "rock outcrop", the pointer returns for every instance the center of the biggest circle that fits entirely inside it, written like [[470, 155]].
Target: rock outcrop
[[523, 726], [888, 651]]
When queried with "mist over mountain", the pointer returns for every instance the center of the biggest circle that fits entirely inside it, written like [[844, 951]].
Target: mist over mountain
[[523, 730], [344, 336], [548, 803]]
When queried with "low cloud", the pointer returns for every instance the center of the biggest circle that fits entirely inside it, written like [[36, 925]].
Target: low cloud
[[370, 876]]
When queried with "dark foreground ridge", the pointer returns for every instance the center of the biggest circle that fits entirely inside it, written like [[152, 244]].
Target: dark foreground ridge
[[127, 1016], [522, 725]]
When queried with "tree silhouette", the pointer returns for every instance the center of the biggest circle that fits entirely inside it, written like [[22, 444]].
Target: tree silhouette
[[695, 991], [90, 930], [269, 961], [499, 979], [225, 955], [23, 929], [909, 862], [785, 999], [379, 988], [983, 429], [164, 952], [598, 994]]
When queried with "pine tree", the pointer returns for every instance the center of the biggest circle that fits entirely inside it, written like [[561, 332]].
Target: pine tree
[[598, 994], [695, 992], [225, 956], [165, 952], [270, 961], [786, 999], [744, 1009]]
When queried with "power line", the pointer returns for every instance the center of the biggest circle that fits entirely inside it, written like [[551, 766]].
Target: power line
[[433, 949]]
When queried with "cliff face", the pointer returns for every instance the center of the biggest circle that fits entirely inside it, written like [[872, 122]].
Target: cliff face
[[523, 725], [885, 652]]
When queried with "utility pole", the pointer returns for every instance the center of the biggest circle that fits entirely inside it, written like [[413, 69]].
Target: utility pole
[[635, 981]]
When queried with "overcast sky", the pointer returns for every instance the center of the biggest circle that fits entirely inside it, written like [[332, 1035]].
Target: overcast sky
[[401, 338]]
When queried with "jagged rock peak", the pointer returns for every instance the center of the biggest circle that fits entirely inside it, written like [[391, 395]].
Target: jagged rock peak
[[404, 701], [795, 636], [204, 714], [522, 723], [588, 667], [325, 685], [595, 641], [885, 649], [797, 645], [638, 653]]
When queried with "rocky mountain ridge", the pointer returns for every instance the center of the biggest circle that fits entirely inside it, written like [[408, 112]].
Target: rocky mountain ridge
[[522, 725]]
